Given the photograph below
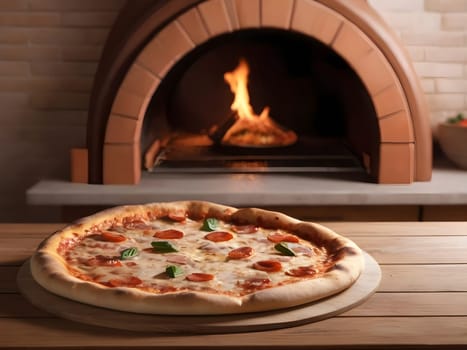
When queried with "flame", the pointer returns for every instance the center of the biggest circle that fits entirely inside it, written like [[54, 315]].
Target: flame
[[251, 129], [238, 82]]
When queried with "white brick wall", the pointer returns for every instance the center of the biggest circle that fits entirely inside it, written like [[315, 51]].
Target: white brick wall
[[399, 5], [446, 5], [435, 34]]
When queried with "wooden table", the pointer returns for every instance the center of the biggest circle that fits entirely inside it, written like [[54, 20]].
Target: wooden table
[[421, 302]]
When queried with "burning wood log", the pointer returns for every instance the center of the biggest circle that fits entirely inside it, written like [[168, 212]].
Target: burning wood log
[[153, 152], [217, 132], [260, 133]]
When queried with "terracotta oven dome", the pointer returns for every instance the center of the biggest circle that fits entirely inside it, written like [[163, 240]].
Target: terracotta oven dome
[[158, 49]]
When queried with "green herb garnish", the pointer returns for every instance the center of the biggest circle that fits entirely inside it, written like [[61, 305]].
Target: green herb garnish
[[173, 271], [210, 224], [163, 247], [458, 118], [129, 253], [284, 249]]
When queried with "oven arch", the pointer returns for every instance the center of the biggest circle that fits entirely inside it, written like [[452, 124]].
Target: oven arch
[[173, 28]]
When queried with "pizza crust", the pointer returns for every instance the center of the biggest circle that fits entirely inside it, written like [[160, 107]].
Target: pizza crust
[[49, 269]]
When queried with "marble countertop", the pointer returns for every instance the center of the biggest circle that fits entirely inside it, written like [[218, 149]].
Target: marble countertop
[[448, 186]]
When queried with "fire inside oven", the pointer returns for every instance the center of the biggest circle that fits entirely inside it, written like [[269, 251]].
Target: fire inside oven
[[259, 101]]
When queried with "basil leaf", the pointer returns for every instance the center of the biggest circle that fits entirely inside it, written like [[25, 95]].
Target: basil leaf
[[163, 247], [129, 253], [284, 249], [173, 271], [210, 224]]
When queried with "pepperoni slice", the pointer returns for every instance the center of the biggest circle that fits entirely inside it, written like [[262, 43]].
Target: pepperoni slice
[[134, 281], [177, 216], [245, 228], [131, 282], [241, 253], [279, 237], [255, 283], [199, 277], [169, 234], [219, 236], [117, 228], [268, 265], [112, 237], [301, 271]]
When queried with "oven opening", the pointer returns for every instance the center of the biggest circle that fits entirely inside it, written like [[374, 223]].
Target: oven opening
[[260, 100]]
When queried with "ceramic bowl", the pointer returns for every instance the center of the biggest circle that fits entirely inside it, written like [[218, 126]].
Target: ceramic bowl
[[453, 141]]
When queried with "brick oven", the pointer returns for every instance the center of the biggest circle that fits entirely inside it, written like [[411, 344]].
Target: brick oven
[[329, 70]]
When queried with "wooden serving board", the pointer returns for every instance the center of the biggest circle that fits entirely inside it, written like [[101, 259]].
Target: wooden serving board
[[361, 290]]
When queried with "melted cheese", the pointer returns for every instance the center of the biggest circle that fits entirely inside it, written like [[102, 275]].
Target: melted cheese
[[195, 254]]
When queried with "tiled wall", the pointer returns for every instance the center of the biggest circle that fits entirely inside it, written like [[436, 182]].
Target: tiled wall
[[49, 51]]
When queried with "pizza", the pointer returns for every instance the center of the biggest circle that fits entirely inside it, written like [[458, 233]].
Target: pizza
[[195, 258]]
